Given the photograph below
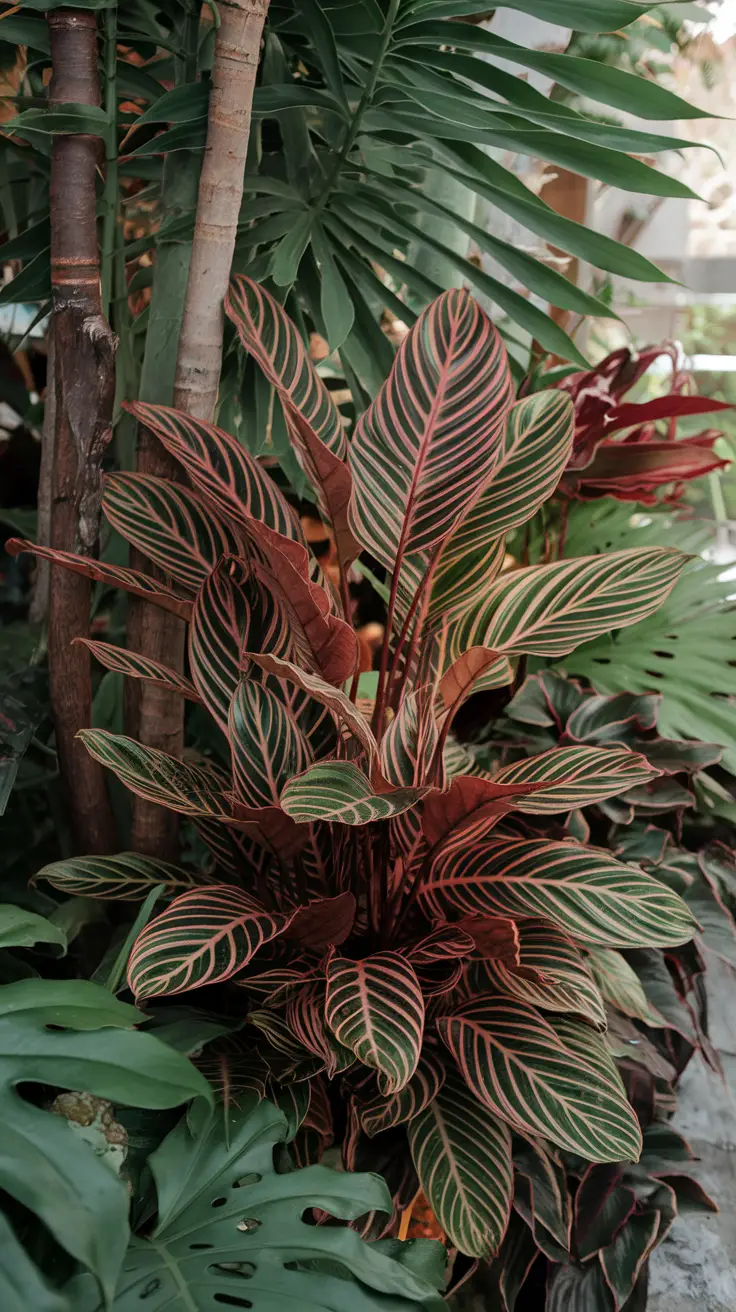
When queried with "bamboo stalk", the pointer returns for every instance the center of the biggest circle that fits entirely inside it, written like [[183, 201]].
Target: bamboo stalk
[[84, 374]]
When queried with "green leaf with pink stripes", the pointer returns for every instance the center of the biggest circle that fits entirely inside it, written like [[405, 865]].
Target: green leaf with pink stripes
[[517, 1065], [583, 890], [338, 791], [193, 790], [267, 746], [432, 437], [462, 1153], [113, 576], [204, 937], [375, 1007], [122, 661], [171, 525], [536, 446], [548, 610], [576, 776], [380, 1113]]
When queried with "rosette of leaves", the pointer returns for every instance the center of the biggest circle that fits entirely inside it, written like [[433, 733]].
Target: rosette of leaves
[[410, 966]]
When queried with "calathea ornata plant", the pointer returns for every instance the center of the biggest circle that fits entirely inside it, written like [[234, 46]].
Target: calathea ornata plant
[[408, 964]]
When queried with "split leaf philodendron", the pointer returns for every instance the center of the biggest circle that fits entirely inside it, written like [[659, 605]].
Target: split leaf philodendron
[[387, 918]]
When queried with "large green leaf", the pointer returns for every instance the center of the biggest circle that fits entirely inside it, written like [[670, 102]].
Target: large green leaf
[[583, 890], [517, 1066], [462, 1154], [550, 973], [575, 776], [20, 928], [375, 1008], [73, 1034], [230, 1231], [22, 1286]]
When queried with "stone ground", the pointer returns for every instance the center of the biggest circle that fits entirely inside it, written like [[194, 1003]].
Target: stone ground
[[695, 1268]]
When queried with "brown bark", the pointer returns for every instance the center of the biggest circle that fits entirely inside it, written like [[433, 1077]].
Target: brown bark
[[160, 713], [234, 71], [39, 607], [84, 375]]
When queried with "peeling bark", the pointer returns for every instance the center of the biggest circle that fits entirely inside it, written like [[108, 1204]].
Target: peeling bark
[[84, 378]]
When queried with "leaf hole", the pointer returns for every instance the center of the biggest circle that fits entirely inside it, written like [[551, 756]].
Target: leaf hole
[[248, 1223], [242, 1269], [218, 1202], [245, 1180], [198, 1247], [665, 655], [232, 1300], [149, 1289]]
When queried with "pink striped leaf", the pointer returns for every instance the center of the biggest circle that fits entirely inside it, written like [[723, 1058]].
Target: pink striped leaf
[[462, 1153], [548, 610], [584, 891], [269, 335], [267, 746], [204, 937], [171, 525], [139, 667], [339, 792], [470, 809], [221, 468], [375, 1008], [621, 986], [439, 959], [126, 877], [409, 743], [193, 790], [275, 986], [114, 576], [576, 776], [324, 643], [518, 1066], [317, 1132], [429, 442], [549, 973], [381, 1113], [478, 669], [536, 447], [305, 1016], [333, 698]]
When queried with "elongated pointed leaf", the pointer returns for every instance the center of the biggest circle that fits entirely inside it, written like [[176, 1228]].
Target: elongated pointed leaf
[[548, 610], [127, 877], [576, 776], [205, 936], [114, 576], [139, 667], [221, 468], [267, 746], [462, 1153], [432, 437], [517, 1066], [305, 1016], [584, 891], [537, 444], [620, 984], [549, 973], [375, 1007], [383, 1113], [193, 790], [478, 668], [408, 746], [340, 792], [170, 525], [333, 698]]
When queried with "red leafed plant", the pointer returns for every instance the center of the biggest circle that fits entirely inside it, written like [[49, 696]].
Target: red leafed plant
[[409, 955], [617, 449]]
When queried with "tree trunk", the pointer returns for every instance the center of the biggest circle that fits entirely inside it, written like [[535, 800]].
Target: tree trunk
[[234, 71], [39, 607], [84, 373], [199, 358]]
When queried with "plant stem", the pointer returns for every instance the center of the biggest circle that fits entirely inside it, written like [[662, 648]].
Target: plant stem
[[84, 377], [110, 190]]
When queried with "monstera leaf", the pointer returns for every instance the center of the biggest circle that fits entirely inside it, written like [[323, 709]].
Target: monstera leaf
[[76, 1035], [231, 1232]]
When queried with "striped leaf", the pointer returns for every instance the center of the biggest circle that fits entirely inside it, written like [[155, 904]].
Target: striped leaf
[[375, 1008], [551, 1205], [518, 1066], [269, 335], [221, 468], [462, 1154], [548, 610], [333, 698], [193, 790], [620, 985], [479, 669], [339, 791], [313, 420], [589, 895], [204, 937], [305, 1016], [550, 973], [408, 746], [113, 576], [429, 442], [267, 747], [139, 667], [537, 443], [170, 525], [576, 776], [439, 958], [127, 877], [383, 1113], [470, 809]]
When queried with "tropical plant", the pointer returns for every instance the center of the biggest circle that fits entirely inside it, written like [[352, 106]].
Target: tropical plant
[[401, 935], [230, 1230]]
